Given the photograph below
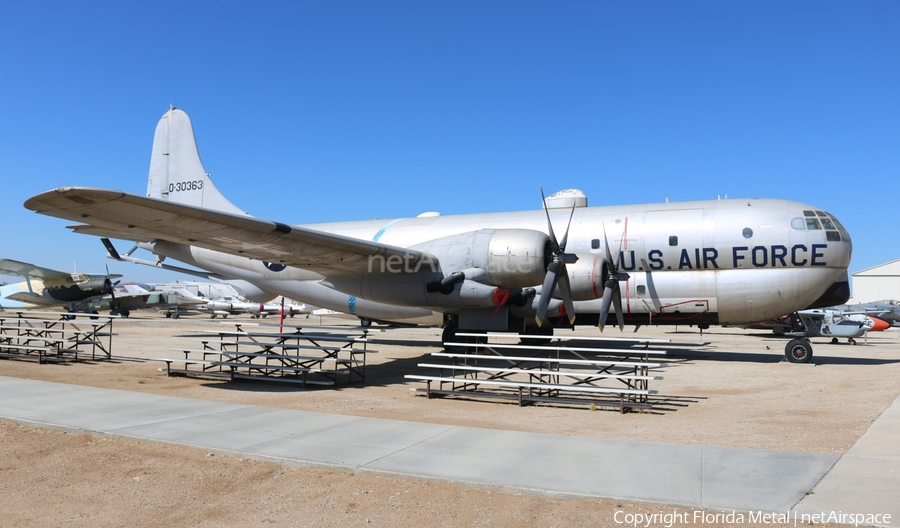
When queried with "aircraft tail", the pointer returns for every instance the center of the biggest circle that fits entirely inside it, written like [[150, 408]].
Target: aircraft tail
[[176, 172], [134, 288]]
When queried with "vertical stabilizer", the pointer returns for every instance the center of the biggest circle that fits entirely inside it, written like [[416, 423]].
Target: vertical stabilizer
[[176, 173]]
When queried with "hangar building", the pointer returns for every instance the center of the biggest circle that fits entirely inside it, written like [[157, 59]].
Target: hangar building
[[877, 283]]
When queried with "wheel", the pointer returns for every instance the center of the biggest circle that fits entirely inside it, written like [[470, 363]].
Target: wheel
[[799, 351], [834, 340], [365, 323], [174, 316], [851, 341], [449, 336]]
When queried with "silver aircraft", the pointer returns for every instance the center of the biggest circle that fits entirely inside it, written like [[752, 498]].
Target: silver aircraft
[[727, 262]]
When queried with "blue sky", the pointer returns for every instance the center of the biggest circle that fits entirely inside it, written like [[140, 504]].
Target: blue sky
[[326, 111]]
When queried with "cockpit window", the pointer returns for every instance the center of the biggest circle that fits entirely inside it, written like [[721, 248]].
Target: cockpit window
[[819, 220], [837, 222]]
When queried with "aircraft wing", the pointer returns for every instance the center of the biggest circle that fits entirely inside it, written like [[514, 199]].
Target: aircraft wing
[[30, 271], [33, 298], [24, 269], [113, 213]]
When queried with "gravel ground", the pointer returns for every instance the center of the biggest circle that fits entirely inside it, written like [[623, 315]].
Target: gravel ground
[[726, 387]]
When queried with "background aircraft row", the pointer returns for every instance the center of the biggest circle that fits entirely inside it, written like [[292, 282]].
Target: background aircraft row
[[90, 293]]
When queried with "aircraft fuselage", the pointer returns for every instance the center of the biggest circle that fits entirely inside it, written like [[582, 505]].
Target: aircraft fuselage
[[731, 262]]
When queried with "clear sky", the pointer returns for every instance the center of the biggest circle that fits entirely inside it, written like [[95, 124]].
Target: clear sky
[[343, 110]]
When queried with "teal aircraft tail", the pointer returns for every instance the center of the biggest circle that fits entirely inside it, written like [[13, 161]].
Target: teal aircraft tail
[[176, 172]]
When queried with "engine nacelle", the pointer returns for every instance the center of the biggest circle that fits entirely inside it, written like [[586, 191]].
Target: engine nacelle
[[587, 277], [509, 258]]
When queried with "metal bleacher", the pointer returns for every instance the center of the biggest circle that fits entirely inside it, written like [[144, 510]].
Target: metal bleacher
[[314, 355], [55, 336], [558, 372]]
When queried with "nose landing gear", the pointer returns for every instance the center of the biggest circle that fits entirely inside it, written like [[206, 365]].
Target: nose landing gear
[[798, 351]]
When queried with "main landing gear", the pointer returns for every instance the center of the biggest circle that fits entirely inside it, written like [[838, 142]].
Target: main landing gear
[[799, 351]]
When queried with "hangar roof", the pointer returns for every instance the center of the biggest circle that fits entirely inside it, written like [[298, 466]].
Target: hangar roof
[[888, 269]]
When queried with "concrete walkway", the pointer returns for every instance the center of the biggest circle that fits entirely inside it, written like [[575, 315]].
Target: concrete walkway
[[866, 480], [696, 476]]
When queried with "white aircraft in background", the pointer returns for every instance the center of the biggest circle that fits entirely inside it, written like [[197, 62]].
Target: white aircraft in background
[[729, 262], [223, 308], [175, 302], [45, 287], [171, 303], [830, 323]]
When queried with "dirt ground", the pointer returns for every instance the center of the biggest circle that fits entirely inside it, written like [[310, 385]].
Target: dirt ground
[[726, 387]]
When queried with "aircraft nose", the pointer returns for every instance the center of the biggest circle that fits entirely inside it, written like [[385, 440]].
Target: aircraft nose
[[837, 293], [845, 247]]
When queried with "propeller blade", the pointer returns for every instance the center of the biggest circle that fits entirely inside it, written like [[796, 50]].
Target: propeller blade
[[547, 289], [617, 302], [651, 286], [607, 298], [609, 261], [554, 245], [562, 245], [565, 291], [556, 270], [109, 288]]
